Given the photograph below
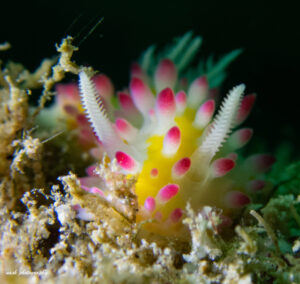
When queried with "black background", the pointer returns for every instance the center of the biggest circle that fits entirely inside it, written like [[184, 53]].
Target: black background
[[268, 31]]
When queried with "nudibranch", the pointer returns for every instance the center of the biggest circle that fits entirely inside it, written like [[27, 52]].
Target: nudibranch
[[167, 134], [69, 106]]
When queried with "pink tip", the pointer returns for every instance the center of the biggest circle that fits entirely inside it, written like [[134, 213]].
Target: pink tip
[[167, 192], [165, 103], [82, 120], [180, 99], [122, 125], [86, 137], [222, 166], [154, 172], [125, 129], [165, 75], [126, 101], [232, 156], [204, 114], [208, 107], [245, 135], [236, 199], [201, 82], [103, 86], [176, 215], [181, 167], [149, 204], [136, 70], [126, 162], [141, 94], [256, 185], [88, 184], [97, 190], [84, 187], [245, 108], [67, 92], [260, 163], [197, 92], [71, 110], [90, 171], [240, 138], [172, 141], [128, 109], [138, 86]]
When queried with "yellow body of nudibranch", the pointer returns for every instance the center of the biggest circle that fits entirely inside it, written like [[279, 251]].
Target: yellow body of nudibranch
[[149, 183]]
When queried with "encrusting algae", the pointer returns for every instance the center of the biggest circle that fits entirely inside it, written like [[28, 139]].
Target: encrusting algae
[[169, 198]]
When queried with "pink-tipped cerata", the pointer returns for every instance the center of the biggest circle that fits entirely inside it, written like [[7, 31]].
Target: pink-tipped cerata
[[222, 166], [167, 192], [260, 163], [197, 92], [126, 102], [181, 167], [233, 156], [165, 104], [204, 114], [91, 171], [171, 141], [245, 108], [136, 70], [103, 86], [82, 120], [67, 92], [89, 184], [180, 99], [125, 129], [97, 190], [240, 138], [255, 185], [142, 96], [71, 110], [150, 204], [236, 199], [176, 215], [126, 162], [165, 75]]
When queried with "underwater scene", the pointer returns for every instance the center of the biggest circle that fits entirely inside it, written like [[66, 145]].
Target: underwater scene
[[149, 142]]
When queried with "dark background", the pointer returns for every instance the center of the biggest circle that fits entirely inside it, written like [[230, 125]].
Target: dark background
[[268, 31]]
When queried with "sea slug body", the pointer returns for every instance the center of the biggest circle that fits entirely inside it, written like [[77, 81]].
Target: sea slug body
[[167, 134]]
